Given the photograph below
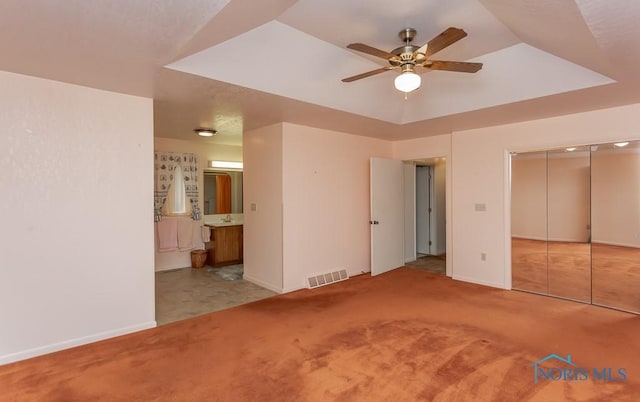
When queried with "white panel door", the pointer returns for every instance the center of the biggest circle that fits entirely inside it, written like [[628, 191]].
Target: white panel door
[[387, 215]]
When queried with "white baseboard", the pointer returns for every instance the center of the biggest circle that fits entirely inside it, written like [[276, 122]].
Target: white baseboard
[[293, 289], [54, 347], [613, 243], [478, 281], [528, 237], [262, 283]]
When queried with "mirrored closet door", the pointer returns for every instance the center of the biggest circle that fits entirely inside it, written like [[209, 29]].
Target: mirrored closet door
[[575, 223], [568, 224], [529, 222], [615, 214]]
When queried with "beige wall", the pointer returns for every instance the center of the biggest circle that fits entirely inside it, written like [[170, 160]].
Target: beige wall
[[76, 173], [480, 175], [605, 191], [529, 196], [569, 199], [262, 153], [550, 196], [615, 199], [205, 152], [326, 202]]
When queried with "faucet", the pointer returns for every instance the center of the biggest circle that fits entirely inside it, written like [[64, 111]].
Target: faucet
[[227, 219]]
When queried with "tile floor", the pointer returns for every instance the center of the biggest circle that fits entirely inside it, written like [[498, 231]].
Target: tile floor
[[430, 263], [188, 292]]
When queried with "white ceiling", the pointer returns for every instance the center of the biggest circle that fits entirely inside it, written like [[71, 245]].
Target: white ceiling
[[241, 64]]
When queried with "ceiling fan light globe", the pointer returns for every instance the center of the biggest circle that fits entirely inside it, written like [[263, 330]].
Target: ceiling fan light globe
[[407, 82]]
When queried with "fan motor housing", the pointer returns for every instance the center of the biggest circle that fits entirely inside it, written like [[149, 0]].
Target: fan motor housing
[[405, 53]]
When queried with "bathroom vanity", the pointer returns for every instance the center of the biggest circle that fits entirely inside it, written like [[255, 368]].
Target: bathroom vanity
[[227, 244]]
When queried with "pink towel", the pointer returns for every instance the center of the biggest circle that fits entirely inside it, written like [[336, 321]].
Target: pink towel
[[206, 234], [167, 235], [185, 234]]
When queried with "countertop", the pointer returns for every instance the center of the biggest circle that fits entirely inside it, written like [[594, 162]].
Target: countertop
[[222, 224]]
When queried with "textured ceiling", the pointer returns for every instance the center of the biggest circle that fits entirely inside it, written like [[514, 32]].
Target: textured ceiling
[[512, 74], [254, 63]]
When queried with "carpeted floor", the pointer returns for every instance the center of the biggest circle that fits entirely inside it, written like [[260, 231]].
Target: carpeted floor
[[405, 335]]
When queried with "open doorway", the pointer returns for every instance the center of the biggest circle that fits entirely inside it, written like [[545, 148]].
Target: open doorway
[[425, 214], [206, 273]]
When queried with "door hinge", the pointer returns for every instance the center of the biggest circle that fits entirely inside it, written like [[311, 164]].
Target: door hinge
[[429, 242]]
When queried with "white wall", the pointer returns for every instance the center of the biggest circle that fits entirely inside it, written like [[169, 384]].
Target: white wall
[[440, 207], [76, 178], [326, 202], [205, 152], [262, 154], [480, 175], [409, 184]]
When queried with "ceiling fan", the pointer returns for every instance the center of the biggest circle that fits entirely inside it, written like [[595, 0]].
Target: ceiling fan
[[408, 57]]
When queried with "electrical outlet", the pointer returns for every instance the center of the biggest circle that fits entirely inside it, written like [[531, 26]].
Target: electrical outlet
[[483, 256]]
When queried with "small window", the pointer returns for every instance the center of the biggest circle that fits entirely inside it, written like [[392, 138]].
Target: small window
[[177, 203]]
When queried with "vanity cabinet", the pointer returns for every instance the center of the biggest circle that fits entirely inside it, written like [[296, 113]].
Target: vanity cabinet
[[227, 245]]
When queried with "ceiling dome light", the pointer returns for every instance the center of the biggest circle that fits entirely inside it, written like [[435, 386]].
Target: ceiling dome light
[[205, 132], [407, 81], [621, 144]]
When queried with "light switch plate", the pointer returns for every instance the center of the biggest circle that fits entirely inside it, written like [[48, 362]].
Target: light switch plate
[[481, 207]]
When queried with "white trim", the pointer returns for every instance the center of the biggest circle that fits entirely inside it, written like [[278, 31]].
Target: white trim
[[293, 289], [54, 347], [613, 243], [507, 274], [262, 283], [479, 282], [559, 240], [529, 237]]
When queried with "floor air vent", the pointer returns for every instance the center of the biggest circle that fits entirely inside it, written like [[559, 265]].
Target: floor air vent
[[325, 279]]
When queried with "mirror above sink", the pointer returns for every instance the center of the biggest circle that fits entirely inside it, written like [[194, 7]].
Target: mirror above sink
[[222, 192]]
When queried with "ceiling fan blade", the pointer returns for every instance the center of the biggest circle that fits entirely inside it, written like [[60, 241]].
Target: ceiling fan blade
[[361, 47], [459, 66], [367, 74], [448, 37]]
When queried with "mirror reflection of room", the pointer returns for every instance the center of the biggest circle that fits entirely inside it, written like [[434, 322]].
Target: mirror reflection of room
[[575, 223], [568, 223], [222, 192]]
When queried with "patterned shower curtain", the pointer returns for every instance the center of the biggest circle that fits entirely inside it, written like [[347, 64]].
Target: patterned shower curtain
[[165, 165]]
